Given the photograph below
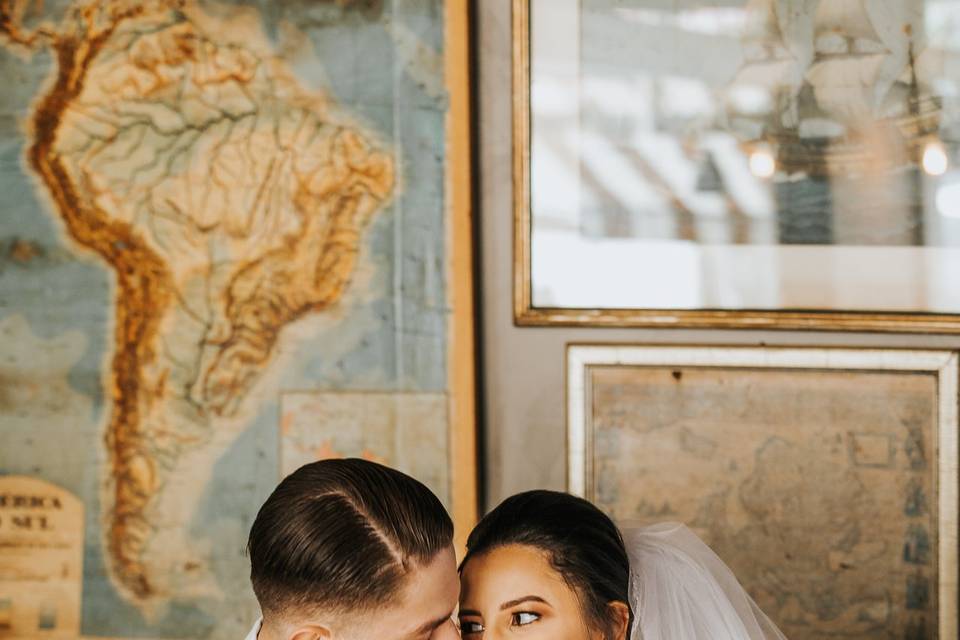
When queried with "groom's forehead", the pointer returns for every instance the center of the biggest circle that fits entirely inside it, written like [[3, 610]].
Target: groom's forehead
[[426, 599], [431, 593], [434, 581]]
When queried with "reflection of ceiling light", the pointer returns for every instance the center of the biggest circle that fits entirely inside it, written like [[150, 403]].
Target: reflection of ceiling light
[[762, 163], [935, 160], [948, 200]]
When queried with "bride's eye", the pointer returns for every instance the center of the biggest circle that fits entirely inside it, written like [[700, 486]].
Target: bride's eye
[[468, 627], [523, 618]]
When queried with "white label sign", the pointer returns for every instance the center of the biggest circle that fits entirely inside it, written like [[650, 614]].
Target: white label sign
[[41, 559]]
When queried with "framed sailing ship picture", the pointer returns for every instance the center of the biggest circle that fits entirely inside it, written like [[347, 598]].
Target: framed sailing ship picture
[[738, 163], [825, 478]]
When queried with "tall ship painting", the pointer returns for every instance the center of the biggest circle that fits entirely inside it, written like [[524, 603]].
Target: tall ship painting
[[846, 81]]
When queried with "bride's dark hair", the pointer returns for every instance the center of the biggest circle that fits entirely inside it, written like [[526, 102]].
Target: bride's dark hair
[[582, 543]]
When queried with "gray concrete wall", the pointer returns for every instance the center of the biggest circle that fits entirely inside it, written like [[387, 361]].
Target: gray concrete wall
[[523, 367]]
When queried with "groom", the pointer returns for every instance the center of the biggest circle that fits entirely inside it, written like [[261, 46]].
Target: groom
[[352, 550]]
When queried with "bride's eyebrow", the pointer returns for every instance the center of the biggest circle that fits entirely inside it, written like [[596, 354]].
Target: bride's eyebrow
[[525, 599]]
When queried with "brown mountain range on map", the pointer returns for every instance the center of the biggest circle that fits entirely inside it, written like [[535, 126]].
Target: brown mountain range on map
[[228, 201]]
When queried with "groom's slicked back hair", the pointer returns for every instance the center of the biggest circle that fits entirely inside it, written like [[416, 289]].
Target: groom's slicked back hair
[[340, 536]]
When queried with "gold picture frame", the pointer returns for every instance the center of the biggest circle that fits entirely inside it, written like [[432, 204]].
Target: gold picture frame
[[665, 462], [527, 314]]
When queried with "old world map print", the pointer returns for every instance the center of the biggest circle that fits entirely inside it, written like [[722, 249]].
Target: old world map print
[[818, 488], [206, 204]]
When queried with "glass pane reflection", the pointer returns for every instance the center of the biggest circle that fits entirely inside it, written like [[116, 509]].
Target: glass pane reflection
[[761, 154]]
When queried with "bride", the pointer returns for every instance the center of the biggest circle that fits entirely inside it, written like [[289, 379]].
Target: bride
[[548, 565]]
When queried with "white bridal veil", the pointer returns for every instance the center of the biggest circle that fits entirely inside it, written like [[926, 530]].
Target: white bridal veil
[[681, 590]]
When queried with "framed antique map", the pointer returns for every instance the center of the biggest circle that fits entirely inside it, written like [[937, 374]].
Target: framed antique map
[[826, 478], [234, 238], [786, 164]]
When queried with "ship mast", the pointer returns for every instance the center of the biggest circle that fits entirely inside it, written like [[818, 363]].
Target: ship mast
[[849, 56]]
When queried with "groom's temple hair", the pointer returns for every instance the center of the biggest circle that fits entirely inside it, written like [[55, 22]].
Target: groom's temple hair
[[341, 535]]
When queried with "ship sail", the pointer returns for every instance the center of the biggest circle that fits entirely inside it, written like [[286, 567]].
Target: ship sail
[[769, 74], [848, 60], [763, 26], [767, 61], [846, 18], [844, 84]]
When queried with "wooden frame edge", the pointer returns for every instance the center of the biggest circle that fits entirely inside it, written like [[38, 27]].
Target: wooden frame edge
[[464, 490], [757, 320], [520, 37], [948, 459]]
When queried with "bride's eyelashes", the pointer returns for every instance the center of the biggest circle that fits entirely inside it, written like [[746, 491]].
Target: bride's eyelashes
[[524, 618], [517, 619], [470, 627]]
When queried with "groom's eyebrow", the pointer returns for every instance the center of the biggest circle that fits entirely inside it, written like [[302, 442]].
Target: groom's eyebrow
[[512, 603], [430, 626]]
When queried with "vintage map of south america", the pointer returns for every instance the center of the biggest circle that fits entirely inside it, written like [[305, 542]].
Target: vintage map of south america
[[177, 145]]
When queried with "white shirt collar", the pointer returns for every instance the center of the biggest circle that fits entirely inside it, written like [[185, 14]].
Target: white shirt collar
[[256, 630]]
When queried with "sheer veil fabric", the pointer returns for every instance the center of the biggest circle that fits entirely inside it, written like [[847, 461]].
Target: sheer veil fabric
[[681, 590]]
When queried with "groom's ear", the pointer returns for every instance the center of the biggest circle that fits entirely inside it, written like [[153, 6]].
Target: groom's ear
[[311, 632], [619, 620]]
